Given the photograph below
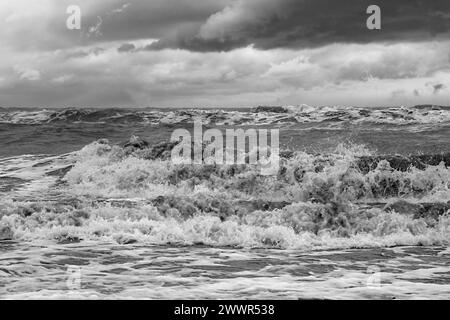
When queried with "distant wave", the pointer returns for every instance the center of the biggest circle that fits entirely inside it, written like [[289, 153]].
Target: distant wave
[[263, 115]]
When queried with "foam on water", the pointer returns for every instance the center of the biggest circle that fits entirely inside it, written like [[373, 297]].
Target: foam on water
[[152, 272], [135, 225], [316, 201], [259, 116]]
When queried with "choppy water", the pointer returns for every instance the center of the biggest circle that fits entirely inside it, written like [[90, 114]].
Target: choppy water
[[341, 207], [142, 272]]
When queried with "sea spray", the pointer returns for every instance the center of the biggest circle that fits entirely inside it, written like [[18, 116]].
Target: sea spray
[[315, 201]]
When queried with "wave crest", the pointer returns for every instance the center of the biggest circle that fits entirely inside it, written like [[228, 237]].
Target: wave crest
[[263, 115], [324, 201]]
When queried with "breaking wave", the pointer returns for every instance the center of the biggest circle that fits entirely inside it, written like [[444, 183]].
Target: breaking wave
[[347, 198], [263, 115]]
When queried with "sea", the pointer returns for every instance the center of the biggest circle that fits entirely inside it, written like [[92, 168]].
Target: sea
[[92, 207]]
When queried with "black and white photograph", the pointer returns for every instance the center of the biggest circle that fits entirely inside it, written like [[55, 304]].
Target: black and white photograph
[[225, 150]]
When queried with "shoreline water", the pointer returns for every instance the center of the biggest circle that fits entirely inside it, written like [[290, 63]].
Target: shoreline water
[[140, 272], [386, 190]]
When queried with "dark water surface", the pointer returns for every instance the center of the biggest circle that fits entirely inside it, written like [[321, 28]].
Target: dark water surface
[[389, 131]]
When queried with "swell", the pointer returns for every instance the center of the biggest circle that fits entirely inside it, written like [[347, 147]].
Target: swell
[[263, 115]]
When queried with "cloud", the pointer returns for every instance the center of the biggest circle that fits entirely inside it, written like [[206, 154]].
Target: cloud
[[126, 47], [224, 53], [309, 23], [121, 9], [41, 25], [437, 87], [93, 76], [27, 74], [63, 79], [221, 25]]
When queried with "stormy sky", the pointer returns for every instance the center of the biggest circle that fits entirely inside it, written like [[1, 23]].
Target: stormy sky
[[224, 53]]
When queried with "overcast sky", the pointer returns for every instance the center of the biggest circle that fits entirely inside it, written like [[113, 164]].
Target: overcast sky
[[224, 53]]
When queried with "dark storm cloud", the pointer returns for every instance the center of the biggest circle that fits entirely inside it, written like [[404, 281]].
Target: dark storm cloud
[[34, 25], [126, 47], [122, 20], [309, 23], [304, 51], [438, 87], [222, 25], [85, 53]]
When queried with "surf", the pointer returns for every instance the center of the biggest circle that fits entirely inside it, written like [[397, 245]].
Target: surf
[[135, 194]]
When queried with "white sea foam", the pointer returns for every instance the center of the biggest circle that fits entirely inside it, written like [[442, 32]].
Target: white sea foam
[[112, 196]]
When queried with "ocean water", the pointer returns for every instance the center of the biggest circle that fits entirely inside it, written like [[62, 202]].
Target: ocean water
[[358, 209]]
